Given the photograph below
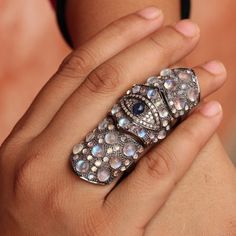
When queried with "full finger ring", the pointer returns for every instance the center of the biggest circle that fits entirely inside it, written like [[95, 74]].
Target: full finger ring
[[142, 117]]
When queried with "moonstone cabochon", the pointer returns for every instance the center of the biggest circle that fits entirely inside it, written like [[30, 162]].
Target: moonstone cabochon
[[141, 118]]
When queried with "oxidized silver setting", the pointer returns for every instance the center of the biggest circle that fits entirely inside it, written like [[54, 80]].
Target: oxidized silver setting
[[143, 116]]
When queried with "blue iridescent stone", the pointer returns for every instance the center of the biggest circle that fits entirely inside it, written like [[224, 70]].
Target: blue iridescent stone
[[138, 108]]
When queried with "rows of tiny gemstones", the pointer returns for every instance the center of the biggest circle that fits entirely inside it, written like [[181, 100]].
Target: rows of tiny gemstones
[[105, 153], [143, 113], [180, 87]]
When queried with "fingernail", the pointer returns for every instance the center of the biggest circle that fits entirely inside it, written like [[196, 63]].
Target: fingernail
[[211, 109], [215, 67], [149, 13], [187, 28]]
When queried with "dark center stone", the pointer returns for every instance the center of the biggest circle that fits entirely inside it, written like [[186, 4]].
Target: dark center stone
[[138, 108]]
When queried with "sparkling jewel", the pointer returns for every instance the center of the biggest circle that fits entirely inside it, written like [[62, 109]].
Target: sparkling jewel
[[100, 140], [89, 157], [169, 84], [75, 157], [77, 148], [152, 93], [94, 168], [136, 89], [115, 162], [116, 173], [163, 113], [90, 144], [143, 90], [185, 76], [141, 132], [103, 175], [115, 109], [183, 86], [116, 148], [162, 134], [91, 176], [98, 151], [89, 137], [129, 149], [152, 80], [82, 166], [109, 150], [192, 94], [85, 151], [127, 162], [123, 168], [105, 159], [111, 138], [166, 72], [124, 122], [164, 123], [103, 124], [138, 108], [98, 163], [179, 103], [111, 127]]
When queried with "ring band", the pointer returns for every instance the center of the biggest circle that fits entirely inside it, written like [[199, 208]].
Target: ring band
[[143, 116]]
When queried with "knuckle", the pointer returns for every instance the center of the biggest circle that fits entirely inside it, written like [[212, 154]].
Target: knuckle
[[78, 63], [104, 79], [24, 177], [160, 162], [159, 46]]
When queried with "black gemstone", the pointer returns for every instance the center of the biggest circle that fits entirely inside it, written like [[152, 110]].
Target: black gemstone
[[138, 108]]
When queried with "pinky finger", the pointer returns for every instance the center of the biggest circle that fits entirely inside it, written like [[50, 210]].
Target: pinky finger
[[149, 185]]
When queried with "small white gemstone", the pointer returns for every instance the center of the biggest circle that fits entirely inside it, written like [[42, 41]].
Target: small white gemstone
[[169, 84], [109, 150], [192, 94], [116, 173], [89, 157], [116, 148], [111, 138], [124, 122], [129, 149], [89, 137], [166, 72], [94, 168], [116, 108], [105, 159], [103, 124], [98, 151], [183, 86], [75, 157], [123, 138], [164, 123], [163, 113], [141, 132], [152, 93], [100, 140], [136, 89], [103, 175], [98, 163], [90, 144], [127, 162], [85, 151], [152, 80], [162, 134], [179, 103], [82, 166], [78, 148], [185, 76], [91, 176], [111, 127], [123, 168], [115, 162]]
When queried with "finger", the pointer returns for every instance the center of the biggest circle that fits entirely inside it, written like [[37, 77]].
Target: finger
[[113, 39], [105, 85], [147, 188]]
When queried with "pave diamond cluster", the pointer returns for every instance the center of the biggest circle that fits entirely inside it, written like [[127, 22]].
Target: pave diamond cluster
[[141, 118]]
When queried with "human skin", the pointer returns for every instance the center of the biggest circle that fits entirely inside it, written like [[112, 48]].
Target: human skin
[[204, 202], [36, 198]]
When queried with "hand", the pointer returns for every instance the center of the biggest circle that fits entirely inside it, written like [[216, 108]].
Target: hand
[[41, 194]]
